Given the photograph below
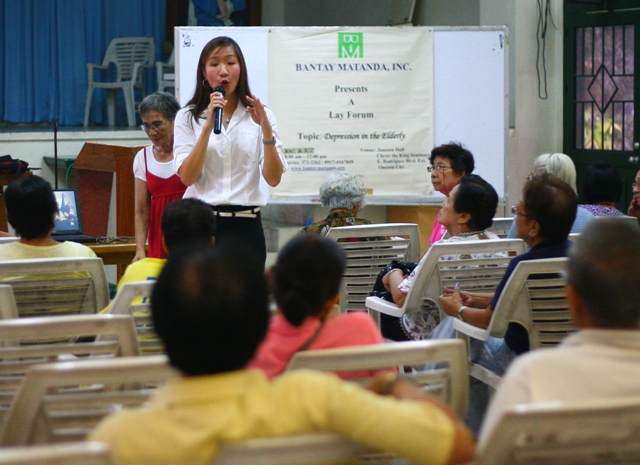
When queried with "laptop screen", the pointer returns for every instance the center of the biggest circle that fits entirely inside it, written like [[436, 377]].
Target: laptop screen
[[68, 217]]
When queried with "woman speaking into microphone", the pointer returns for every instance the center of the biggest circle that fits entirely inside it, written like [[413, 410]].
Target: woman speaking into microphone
[[222, 165]]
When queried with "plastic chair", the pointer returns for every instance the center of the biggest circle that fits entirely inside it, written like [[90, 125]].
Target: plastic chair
[[535, 298], [28, 341], [129, 55], [552, 433], [8, 240], [134, 299], [306, 449], [449, 382], [165, 73], [56, 286], [63, 402], [473, 274], [81, 453], [501, 226], [365, 258]]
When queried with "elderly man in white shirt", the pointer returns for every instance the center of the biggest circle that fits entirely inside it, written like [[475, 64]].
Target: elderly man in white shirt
[[602, 360]]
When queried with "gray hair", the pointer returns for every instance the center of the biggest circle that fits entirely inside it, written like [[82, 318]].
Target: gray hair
[[342, 190], [558, 164], [161, 102], [604, 268]]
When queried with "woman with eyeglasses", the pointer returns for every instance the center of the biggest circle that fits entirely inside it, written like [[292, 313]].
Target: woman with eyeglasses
[[561, 166], [156, 182], [546, 212], [634, 207], [449, 162], [223, 165]]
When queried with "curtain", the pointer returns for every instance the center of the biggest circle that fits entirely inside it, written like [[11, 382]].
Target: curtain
[[47, 44]]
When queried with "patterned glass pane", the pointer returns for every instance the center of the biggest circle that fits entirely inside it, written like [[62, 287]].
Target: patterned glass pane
[[604, 88]]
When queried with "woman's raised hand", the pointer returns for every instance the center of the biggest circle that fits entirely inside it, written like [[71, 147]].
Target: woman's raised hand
[[216, 101]]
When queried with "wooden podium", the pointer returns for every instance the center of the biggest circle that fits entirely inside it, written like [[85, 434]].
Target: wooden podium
[[96, 164]]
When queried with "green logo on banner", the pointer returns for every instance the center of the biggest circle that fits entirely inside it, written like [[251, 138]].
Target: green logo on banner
[[350, 45]]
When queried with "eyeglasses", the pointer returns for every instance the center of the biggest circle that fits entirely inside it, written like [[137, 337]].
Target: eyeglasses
[[516, 210], [634, 185], [438, 168], [156, 125]]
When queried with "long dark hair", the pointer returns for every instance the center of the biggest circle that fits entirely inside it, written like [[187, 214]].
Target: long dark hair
[[200, 99]]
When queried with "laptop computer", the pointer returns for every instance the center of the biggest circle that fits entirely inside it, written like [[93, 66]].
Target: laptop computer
[[68, 222]]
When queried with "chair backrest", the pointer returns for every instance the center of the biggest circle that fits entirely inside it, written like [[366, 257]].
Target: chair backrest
[[605, 432], [630, 219], [449, 381], [480, 274], [125, 52], [8, 240], [56, 286], [63, 402], [25, 342], [365, 258], [306, 449], [501, 226], [135, 299], [535, 297], [81, 453]]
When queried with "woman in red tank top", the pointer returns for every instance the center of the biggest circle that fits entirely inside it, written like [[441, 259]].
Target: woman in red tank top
[[156, 182]]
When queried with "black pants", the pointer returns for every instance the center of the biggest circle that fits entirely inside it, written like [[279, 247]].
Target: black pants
[[249, 230], [391, 328]]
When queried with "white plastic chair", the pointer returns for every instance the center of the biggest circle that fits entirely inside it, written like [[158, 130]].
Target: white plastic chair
[[450, 381], [81, 453], [135, 299], [56, 286], [501, 226], [538, 304], [473, 274], [165, 73], [309, 449], [129, 55], [552, 433], [28, 341], [63, 402], [8, 240], [365, 258]]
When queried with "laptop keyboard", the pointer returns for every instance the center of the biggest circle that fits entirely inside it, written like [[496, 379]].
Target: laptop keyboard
[[81, 238]]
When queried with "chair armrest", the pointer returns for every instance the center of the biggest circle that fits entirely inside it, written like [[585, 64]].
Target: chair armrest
[[92, 66], [470, 330], [380, 305]]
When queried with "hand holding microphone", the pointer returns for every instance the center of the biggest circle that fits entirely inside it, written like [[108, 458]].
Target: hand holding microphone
[[217, 113]]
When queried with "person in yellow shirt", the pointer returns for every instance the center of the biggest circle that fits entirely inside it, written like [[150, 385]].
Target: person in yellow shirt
[[31, 211], [210, 308]]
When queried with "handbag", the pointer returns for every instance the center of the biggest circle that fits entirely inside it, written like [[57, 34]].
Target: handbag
[[379, 289]]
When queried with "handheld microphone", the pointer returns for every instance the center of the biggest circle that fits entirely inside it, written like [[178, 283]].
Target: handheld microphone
[[217, 113]]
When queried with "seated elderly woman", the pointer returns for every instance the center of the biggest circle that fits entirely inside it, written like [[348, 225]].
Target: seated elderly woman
[[547, 212], [305, 296], [342, 194], [466, 214], [601, 189], [31, 211], [561, 166]]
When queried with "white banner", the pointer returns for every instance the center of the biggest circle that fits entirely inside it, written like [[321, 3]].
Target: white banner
[[354, 99]]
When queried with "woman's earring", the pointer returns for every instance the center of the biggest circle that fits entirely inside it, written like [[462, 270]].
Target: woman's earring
[[205, 83], [529, 233]]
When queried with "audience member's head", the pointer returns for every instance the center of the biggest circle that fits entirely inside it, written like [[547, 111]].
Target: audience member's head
[[558, 164], [477, 197], [306, 277], [459, 158], [604, 271], [187, 221], [342, 190], [31, 207], [210, 307], [160, 102], [552, 203], [602, 183]]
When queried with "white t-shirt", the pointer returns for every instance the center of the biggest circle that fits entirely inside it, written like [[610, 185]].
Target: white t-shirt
[[232, 170], [592, 364], [162, 170]]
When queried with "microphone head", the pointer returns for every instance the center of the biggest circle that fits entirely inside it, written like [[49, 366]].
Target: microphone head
[[221, 90]]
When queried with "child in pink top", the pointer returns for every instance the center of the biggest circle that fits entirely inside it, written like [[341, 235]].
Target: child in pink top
[[306, 286]]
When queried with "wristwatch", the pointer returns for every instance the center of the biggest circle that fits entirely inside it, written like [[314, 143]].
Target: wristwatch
[[460, 317]]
